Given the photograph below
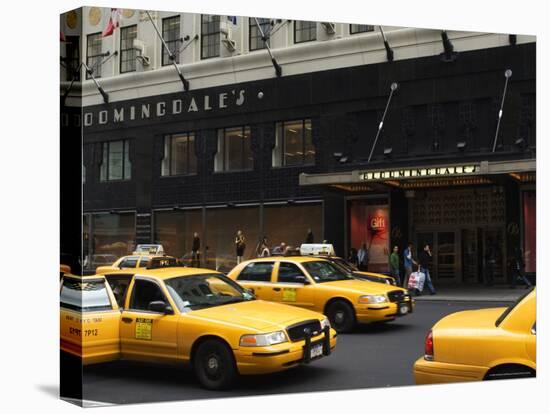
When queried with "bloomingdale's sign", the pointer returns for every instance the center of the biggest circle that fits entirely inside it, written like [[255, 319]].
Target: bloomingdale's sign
[[157, 110], [454, 170]]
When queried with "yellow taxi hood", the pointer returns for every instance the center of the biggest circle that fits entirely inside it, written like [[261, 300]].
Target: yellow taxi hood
[[255, 315], [361, 287], [470, 319], [380, 275]]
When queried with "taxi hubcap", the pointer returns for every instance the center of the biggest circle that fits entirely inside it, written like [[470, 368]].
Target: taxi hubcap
[[213, 364], [339, 317]]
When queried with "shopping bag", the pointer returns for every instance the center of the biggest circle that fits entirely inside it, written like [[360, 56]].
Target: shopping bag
[[416, 281]]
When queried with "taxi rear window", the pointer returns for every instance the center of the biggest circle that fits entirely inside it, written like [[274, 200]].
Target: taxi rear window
[[84, 295]]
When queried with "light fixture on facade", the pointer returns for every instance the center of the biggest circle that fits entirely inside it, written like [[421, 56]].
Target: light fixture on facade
[[387, 152], [291, 201], [113, 212], [230, 204], [520, 143], [461, 146], [344, 159]]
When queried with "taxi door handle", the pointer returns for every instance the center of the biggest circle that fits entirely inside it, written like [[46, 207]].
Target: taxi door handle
[[277, 289], [126, 319]]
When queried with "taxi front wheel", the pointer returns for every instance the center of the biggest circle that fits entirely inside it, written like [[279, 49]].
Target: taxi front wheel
[[341, 316], [214, 365]]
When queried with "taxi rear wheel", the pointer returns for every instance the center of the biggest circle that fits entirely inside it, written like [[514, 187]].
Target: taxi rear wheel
[[341, 316], [509, 371], [214, 365]]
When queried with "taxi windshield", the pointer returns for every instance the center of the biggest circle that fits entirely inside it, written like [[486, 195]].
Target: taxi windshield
[[205, 291], [323, 271], [345, 265]]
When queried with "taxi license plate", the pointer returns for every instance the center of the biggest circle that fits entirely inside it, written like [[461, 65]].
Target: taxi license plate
[[316, 351], [403, 308]]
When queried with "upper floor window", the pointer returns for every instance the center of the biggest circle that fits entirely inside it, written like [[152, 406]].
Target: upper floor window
[[127, 51], [93, 54], [360, 28], [210, 36], [304, 31], [179, 155], [72, 58], [293, 144], [255, 41], [171, 35], [234, 150], [115, 161]]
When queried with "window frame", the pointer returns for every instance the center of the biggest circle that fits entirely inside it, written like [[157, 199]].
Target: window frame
[[125, 155], [222, 150], [190, 150], [251, 25], [137, 279], [210, 34], [281, 125], [123, 52], [296, 30], [96, 57], [272, 263], [72, 63], [369, 28], [176, 42], [302, 271]]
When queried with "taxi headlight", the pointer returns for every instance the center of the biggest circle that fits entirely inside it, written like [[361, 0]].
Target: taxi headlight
[[324, 323], [372, 299], [268, 339]]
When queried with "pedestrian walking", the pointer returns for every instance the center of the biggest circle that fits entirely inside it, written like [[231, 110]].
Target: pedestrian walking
[[518, 269], [352, 257], [240, 245], [363, 258], [196, 251], [394, 265], [424, 259], [309, 237], [408, 263], [263, 248]]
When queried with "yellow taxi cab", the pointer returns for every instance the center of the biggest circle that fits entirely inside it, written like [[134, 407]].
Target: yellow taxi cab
[[133, 262], [189, 315], [317, 284], [484, 344]]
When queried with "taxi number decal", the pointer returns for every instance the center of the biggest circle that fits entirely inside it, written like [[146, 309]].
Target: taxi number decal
[[144, 328], [289, 295]]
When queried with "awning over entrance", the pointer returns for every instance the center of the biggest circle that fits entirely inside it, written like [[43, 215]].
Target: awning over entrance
[[418, 176]]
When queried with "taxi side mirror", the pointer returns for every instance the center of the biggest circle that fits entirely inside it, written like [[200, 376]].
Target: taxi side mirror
[[161, 307]]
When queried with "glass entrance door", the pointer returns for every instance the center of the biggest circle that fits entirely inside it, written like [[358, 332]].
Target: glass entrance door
[[445, 264]]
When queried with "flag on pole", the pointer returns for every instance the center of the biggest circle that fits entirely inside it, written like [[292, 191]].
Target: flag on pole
[[232, 19], [114, 21]]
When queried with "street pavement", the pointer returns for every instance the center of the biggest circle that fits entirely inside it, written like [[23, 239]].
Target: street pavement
[[372, 356]]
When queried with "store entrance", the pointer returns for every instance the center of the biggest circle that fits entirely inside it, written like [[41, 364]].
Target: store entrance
[[464, 255]]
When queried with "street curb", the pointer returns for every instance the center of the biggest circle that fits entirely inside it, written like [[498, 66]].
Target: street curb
[[463, 299]]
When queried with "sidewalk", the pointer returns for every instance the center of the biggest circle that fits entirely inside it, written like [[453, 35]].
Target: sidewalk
[[474, 293]]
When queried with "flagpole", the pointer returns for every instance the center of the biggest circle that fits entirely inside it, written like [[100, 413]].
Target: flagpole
[[66, 94], [278, 69], [101, 91], [393, 87], [170, 54]]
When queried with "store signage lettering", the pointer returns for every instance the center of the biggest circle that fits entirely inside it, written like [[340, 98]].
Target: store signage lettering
[[418, 172], [378, 223], [162, 108]]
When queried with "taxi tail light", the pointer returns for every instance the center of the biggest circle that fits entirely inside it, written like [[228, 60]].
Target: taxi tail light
[[429, 346]]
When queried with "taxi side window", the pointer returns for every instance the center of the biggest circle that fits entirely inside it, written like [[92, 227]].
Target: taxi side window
[[257, 272], [144, 262], [290, 273], [119, 286], [145, 292], [130, 262]]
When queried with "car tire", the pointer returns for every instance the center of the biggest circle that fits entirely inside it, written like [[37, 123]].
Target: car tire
[[214, 365], [341, 316]]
